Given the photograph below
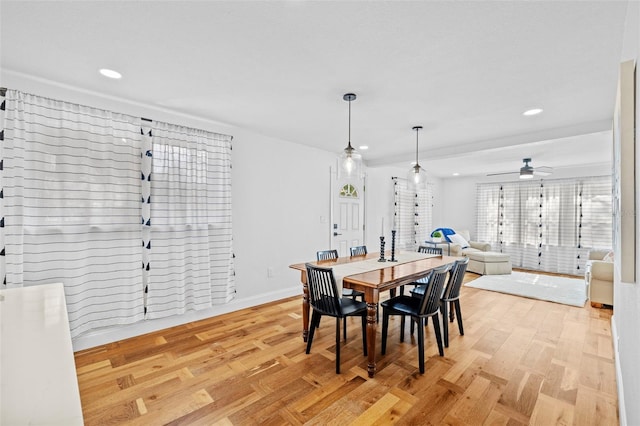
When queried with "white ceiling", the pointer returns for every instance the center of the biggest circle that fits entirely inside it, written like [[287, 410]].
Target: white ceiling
[[465, 70]]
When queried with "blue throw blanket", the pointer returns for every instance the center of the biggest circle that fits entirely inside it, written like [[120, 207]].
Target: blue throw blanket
[[445, 232]]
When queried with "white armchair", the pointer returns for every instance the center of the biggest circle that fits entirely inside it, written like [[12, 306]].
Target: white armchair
[[599, 278]]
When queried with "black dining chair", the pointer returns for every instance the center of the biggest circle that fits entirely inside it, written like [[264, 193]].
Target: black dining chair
[[358, 250], [323, 297], [361, 251], [333, 254], [346, 292], [327, 254], [451, 298], [419, 309], [427, 250]]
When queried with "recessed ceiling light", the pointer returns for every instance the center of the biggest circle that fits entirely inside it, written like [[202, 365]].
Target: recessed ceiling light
[[533, 111], [456, 174], [110, 73], [363, 147]]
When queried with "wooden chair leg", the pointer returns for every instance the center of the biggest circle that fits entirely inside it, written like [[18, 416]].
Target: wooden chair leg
[[337, 345], [385, 326], [436, 329], [402, 328], [344, 327], [459, 315], [364, 334], [420, 344], [445, 324], [315, 321]]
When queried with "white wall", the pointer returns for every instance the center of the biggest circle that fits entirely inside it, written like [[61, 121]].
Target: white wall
[[380, 199], [280, 191], [626, 296]]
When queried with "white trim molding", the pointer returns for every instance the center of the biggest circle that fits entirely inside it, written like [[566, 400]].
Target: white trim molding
[[622, 413]]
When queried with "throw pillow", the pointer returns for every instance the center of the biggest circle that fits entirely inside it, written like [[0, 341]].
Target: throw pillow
[[459, 239], [446, 232]]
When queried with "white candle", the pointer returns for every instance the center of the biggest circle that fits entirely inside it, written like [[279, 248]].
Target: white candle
[[382, 232]]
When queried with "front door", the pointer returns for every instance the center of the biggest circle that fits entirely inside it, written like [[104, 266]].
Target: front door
[[347, 226]]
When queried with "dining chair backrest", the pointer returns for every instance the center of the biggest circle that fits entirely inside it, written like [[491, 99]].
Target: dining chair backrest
[[358, 250], [327, 254], [323, 291], [430, 250], [452, 291], [430, 302]]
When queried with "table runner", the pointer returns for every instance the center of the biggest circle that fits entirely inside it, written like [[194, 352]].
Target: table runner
[[368, 265]]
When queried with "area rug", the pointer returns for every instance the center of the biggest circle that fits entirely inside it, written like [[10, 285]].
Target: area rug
[[568, 291]]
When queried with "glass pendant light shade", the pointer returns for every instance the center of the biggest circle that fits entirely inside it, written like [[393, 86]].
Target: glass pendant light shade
[[350, 160], [350, 163], [417, 176]]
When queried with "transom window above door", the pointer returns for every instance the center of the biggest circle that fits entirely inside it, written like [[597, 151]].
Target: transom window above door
[[349, 190]]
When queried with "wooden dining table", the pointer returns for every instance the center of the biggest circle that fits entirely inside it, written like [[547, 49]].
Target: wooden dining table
[[371, 283]]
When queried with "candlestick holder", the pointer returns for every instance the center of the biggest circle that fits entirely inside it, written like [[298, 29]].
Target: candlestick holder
[[382, 259], [393, 246]]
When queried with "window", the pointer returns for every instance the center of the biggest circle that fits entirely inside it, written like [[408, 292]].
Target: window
[[547, 225], [413, 214], [349, 191]]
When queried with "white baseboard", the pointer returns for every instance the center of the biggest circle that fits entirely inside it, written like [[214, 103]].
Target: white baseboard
[[113, 334], [622, 413]]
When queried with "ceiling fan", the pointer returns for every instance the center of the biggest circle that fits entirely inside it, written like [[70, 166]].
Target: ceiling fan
[[527, 171]]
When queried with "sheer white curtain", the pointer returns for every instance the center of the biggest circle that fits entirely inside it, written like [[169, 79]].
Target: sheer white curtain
[[71, 206], [191, 258], [413, 214], [548, 225], [404, 218]]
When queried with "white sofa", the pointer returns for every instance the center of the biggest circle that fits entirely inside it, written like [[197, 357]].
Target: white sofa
[[457, 250], [599, 278]]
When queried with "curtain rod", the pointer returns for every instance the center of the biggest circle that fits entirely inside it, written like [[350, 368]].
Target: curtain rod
[[3, 92]]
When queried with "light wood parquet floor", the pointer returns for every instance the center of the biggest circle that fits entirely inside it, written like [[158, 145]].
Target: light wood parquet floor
[[521, 361]]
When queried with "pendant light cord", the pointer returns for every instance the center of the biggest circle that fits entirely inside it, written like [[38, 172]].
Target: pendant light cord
[[349, 124], [417, 130]]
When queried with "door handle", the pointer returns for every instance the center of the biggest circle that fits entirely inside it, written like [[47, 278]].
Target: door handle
[[335, 234]]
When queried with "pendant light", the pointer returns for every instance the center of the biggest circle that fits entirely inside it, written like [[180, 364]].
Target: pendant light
[[417, 176], [350, 160]]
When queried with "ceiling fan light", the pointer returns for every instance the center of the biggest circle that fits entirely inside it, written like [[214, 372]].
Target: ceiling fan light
[[526, 174]]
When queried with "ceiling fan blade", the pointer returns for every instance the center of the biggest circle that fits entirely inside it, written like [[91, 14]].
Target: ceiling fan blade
[[543, 171], [505, 173]]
